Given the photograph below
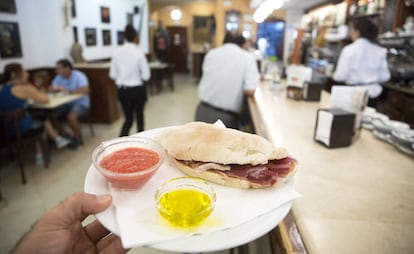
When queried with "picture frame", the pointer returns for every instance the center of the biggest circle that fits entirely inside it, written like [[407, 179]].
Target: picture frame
[[130, 18], [10, 46], [201, 29], [106, 37], [73, 8], [8, 6], [120, 37], [90, 36], [105, 14], [75, 34]]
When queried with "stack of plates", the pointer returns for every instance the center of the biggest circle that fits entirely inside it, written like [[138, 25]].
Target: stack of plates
[[403, 140], [396, 133], [383, 128], [369, 115]]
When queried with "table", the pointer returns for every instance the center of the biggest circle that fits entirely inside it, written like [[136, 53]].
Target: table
[[357, 199], [56, 101], [160, 72]]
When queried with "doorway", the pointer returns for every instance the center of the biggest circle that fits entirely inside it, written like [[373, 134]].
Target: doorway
[[178, 47]]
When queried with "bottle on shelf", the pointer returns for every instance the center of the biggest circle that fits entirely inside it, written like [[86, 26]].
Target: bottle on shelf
[[362, 6], [372, 7], [381, 4], [353, 9]]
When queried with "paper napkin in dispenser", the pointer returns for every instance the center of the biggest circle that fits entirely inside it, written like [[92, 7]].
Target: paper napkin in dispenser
[[353, 99], [334, 127]]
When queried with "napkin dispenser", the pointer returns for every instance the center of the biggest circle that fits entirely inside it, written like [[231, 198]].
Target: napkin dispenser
[[312, 91], [334, 127]]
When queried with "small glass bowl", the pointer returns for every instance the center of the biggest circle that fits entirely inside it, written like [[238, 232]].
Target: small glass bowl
[[133, 179], [185, 202]]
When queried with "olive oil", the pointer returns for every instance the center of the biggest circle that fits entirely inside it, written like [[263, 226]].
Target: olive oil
[[185, 207]]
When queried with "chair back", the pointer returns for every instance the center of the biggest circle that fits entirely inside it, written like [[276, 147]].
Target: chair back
[[10, 121]]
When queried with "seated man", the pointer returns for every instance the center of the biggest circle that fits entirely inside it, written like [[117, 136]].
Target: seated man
[[72, 81]]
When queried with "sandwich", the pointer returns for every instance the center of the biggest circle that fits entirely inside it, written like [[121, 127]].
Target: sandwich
[[227, 156]]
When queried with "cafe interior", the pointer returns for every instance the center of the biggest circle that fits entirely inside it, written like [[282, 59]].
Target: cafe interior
[[354, 181]]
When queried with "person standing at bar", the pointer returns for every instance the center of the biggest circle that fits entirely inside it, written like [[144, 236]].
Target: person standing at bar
[[129, 69], [229, 73], [363, 62]]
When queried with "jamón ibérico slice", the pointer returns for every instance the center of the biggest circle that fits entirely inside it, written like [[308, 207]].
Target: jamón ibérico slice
[[264, 174]]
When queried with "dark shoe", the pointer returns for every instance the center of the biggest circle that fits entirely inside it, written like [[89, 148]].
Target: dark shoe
[[74, 143]]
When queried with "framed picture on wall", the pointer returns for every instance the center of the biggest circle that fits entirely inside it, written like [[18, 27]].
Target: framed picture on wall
[[106, 37], [202, 29], [120, 37], [90, 36], [75, 34], [130, 18], [105, 15], [8, 6], [73, 8], [10, 40]]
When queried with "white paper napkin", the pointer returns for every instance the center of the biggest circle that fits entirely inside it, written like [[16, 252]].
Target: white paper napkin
[[140, 224]]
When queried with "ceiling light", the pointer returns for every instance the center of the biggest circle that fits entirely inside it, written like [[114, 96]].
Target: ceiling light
[[275, 4], [176, 14]]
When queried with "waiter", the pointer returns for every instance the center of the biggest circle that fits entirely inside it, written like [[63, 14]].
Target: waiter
[[129, 69], [229, 74], [363, 63]]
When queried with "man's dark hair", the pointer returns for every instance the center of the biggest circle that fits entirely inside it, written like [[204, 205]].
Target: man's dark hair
[[230, 38], [130, 33], [240, 40], [65, 63], [367, 29]]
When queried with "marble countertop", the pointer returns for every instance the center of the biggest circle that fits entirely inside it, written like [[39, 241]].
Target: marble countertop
[[358, 199]]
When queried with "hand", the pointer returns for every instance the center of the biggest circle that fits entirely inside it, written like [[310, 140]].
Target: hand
[[60, 230], [56, 89]]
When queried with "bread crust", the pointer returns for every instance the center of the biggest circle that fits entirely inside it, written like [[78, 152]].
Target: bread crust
[[197, 141], [229, 181]]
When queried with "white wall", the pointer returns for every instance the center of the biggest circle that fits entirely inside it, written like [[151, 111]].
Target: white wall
[[45, 37]]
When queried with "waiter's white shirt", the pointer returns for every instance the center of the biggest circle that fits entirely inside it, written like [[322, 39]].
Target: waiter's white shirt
[[129, 66], [228, 70], [363, 63]]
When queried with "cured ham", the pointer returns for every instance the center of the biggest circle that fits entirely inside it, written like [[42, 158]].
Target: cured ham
[[263, 174]]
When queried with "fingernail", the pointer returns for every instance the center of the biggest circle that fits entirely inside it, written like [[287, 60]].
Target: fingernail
[[104, 198]]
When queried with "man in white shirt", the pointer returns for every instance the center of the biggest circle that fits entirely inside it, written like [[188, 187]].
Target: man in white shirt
[[363, 63], [129, 69], [229, 74]]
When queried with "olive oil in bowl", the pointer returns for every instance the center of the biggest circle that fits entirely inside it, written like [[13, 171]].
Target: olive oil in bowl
[[185, 202]]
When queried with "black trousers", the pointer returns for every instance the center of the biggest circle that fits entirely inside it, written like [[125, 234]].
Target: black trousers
[[132, 101], [208, 114]]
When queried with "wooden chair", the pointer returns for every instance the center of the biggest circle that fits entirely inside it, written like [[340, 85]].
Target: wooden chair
[[16, 143], [87, 118]]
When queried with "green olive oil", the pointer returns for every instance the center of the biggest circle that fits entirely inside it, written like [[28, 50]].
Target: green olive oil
[[185, 208]]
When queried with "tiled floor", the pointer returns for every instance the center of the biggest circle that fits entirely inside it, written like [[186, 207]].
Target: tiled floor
[[46, 187]]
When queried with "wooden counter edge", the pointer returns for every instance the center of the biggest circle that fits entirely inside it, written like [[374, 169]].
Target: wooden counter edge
[[286, 236]]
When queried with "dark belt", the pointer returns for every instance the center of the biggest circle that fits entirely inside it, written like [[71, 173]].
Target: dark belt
[[128, 87], [219, 109]]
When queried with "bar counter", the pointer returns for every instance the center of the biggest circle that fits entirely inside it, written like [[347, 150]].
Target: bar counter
[[358, 199], [103, 92]]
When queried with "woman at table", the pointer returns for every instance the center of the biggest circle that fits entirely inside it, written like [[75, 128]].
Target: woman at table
[[15, 92]]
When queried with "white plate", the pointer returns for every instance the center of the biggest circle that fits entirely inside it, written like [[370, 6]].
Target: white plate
[[218, 240]]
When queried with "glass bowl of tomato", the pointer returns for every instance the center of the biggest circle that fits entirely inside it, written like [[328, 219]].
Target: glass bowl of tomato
[[128, 162]]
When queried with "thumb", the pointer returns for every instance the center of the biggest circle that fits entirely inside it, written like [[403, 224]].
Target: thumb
[[81, 204]]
